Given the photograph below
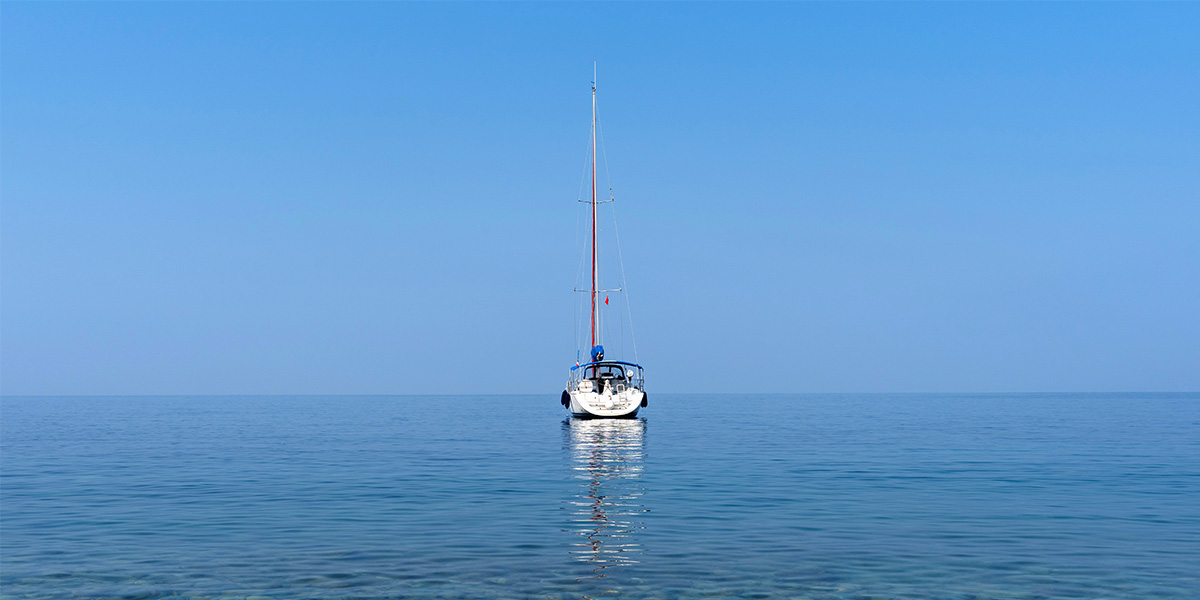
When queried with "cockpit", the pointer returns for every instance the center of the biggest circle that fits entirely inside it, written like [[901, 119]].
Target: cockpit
[[613, 375]]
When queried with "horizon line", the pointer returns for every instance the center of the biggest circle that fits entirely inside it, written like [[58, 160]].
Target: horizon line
[[548, 394]]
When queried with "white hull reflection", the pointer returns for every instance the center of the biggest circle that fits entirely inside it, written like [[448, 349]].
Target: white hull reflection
[[606, 458]]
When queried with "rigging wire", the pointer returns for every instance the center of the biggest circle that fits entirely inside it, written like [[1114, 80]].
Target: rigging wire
[[620, 260], [604, 153], [624, 285]]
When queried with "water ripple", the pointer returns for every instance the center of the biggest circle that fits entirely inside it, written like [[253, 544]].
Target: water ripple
[[831, 497]]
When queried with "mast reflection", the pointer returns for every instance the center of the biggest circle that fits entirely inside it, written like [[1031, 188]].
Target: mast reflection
[[605, 457]]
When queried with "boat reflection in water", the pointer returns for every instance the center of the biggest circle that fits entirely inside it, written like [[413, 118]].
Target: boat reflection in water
[[606, 458]]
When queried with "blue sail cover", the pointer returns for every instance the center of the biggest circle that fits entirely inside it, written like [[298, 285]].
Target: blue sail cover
[[597, 353]]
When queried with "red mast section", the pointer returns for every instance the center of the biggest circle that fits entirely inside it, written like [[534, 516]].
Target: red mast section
[[593, 211]]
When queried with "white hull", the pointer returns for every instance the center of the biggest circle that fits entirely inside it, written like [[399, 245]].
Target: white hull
[[621, 404]]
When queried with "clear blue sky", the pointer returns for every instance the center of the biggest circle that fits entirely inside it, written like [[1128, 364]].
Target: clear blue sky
[[380, 197]]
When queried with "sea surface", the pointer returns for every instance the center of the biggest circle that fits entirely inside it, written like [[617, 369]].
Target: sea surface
[[755, 496]]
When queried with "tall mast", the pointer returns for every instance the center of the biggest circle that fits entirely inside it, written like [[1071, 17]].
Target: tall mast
[[594, 274]]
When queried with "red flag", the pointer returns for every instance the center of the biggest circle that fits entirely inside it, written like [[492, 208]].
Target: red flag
[[606, 300]]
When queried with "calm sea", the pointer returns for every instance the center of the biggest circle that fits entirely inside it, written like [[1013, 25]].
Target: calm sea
[[811, 496]]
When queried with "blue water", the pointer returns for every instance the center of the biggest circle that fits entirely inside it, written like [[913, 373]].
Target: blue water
[[822, 497]]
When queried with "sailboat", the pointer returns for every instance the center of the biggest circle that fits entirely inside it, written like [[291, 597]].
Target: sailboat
[[602, 387]]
